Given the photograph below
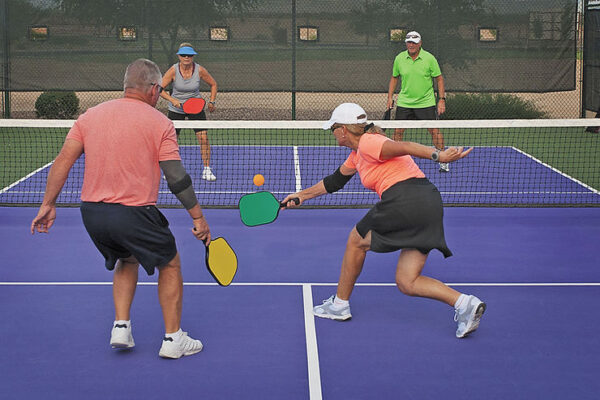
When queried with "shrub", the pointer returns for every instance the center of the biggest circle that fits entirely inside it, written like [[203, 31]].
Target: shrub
[[57, 105], [490, 106]]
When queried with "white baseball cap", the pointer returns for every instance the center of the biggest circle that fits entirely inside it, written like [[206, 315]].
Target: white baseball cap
[[413, 36], [346, 113]]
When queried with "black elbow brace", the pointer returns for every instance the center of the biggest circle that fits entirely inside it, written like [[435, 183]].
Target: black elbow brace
[[180, 185], [336, 181]]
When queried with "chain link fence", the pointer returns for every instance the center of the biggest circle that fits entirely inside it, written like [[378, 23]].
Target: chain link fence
[[293, 59]]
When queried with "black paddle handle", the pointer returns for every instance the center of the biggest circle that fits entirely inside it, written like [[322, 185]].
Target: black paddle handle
[[296, 201]]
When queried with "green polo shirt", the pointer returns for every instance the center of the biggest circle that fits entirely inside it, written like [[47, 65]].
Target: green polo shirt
[[417, 79]]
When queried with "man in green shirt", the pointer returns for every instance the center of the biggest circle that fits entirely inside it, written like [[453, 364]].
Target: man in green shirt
[[416, 101]]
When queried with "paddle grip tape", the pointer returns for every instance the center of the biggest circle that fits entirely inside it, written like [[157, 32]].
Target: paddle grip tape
[[335, 181]]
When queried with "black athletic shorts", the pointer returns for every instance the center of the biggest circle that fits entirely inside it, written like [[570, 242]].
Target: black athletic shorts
[[410, 215], [120, 231], [403, 113], [173, 116]]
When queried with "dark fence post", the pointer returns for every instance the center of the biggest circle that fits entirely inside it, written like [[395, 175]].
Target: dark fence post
[[6, 61], [293, 59]]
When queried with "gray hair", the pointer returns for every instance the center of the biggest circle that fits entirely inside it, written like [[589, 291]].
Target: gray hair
[[141, 74]]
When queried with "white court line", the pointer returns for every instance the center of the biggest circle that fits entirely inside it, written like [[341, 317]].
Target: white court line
[[482, 284], [556, 170], [312, 351], [297, 169], [25, 177]]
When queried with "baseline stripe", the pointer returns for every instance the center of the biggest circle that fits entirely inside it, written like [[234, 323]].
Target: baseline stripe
[[312, 351]]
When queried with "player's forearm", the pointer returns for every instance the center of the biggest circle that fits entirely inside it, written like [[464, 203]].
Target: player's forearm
[[168, 97], [393, 149], [316, 190], [441, 87], [59, 171], [213, 92], [196, 212], [179, 183], [56, 180], [392, 87]]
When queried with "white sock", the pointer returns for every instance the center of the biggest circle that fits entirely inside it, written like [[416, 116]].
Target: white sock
[[122, 322], [462, 302], [338, 303], [175, 336]]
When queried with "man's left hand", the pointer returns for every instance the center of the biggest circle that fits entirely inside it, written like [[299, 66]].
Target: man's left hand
[[441, 106], [44, 219]]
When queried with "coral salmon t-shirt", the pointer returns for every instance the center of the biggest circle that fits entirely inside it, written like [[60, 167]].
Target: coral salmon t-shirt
[[123, 141], [377, 174]]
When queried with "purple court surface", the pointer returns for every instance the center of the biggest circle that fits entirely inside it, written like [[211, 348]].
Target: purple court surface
[[538, 270]]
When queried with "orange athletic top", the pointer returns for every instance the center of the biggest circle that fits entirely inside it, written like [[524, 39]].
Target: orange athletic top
[[123, 141], [377, 174]]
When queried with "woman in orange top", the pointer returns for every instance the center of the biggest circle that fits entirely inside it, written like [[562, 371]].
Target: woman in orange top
[[409, 216]]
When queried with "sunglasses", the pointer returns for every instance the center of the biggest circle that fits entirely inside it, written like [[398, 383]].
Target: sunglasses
[[186, 55], [160, 88]]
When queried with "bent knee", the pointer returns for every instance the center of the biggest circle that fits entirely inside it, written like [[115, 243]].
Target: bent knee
[[406, 286]]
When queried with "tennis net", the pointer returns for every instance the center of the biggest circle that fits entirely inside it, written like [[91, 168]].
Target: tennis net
[[519, 163]]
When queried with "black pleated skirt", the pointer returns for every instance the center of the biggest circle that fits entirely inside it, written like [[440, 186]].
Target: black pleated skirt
[[409, 215]]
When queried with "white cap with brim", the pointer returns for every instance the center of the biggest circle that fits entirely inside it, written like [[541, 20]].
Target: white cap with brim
[[186, 51], [346, 113], [413, 36]]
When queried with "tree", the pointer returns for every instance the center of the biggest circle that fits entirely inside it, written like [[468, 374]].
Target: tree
[[366, 21], [21, 15], [438, 22], [165, 20]]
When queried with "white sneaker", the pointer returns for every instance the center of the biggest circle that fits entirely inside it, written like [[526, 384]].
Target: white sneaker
[[468, 320], [121, 337], [326, 310], [444, 167], [208, 175], [185, 346]]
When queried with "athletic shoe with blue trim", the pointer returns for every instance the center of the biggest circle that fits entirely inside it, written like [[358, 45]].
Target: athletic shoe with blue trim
[[468, 320], [184, 346], [121, 337], [326, 310]]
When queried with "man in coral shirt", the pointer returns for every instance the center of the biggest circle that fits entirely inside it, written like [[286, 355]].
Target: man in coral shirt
[[126, 144]]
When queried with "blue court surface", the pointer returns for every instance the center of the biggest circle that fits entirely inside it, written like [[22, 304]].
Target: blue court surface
[[537, 269]]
